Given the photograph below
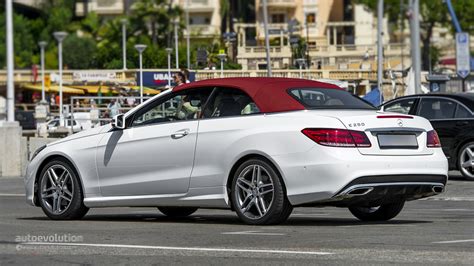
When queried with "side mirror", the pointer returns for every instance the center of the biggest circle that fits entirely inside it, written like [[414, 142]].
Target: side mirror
[[118, 122]]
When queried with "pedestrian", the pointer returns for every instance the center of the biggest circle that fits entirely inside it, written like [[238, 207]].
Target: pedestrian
[[179, 78], [185, 72], [114, 108]]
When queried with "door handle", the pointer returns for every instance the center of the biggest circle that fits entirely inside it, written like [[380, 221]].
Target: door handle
[[180, 133], [462, 123]]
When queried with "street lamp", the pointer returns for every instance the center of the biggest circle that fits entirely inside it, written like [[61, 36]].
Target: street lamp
[[267, 41], [301, 62], [42, 45], [124, 42], [188, 52], [176, 23], [10, 63], [60, 35], [140, 48], [222, 57], [168, 51]]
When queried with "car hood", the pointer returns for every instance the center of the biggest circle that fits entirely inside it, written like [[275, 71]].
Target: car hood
[[83, 134]]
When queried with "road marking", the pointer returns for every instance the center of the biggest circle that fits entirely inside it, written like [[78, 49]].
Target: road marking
[[310, 214], [198, 249], [454, 241], [260, 233], [11, 195], [451, 198]]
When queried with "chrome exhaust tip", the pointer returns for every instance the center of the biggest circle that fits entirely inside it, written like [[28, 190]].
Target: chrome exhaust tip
[[437, 189], [360, 191]]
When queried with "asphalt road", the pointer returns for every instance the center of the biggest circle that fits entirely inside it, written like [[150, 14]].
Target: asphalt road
[[439, 230]]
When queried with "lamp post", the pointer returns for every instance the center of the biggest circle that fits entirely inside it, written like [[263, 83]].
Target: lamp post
[[267, 40], [10, 63], [140, 48], [301, 63], [176, 24], [380, 48], [42, 45], [124, 42], [168, 51], [222, 57], [60, 35], [188, 52]]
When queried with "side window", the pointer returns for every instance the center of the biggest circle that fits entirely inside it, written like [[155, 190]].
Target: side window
[[437, 108], [177, 107], [402, 106], [462, 112], [230, 102]]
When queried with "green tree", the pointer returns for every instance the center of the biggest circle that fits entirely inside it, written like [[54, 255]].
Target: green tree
[[433, 13], [79, 53], [23, 41]]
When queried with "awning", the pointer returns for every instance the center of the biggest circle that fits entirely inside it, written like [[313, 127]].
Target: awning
[[54, 88], [146, 90]]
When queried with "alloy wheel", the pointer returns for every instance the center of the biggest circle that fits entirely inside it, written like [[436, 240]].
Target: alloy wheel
[[467, 161], [255, 191], [57, 189]]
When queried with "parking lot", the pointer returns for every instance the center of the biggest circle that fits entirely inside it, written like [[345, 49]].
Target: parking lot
[[439, 230]]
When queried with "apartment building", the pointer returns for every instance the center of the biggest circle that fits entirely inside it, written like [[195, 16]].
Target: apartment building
[[204, 15], [339, 34]]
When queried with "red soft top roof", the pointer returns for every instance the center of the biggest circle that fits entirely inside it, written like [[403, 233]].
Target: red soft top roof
[[269, 94]]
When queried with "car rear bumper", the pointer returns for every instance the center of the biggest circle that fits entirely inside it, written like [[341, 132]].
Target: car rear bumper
[[325, 176]]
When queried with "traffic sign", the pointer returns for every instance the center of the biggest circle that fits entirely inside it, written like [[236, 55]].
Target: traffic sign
[[463, 56]]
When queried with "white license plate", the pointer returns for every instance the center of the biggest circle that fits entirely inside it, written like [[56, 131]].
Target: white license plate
[[397, 141]]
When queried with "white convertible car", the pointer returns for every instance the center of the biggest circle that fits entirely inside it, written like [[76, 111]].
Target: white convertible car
[[257, 146]]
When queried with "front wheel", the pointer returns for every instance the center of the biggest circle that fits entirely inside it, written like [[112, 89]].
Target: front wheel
[[177, 211], [258, 195], [379, 213], [60, 193]]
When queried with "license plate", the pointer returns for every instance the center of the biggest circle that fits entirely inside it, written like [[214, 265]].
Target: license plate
[[397, 141]]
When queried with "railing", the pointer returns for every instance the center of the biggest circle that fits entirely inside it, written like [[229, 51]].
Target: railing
[[128, 76]]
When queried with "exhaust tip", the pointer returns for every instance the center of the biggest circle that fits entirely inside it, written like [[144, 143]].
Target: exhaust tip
[[360, 191], [437, 189]]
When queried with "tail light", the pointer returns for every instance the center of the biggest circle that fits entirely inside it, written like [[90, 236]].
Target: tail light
[[432, 139], [337, 137]]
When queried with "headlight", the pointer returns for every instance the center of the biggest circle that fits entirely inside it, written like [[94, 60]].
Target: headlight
[[37, 152]]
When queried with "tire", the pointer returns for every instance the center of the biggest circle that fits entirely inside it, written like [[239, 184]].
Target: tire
[[465, 161], [259, 199], [71, 203], [177, 211], [379, 213]]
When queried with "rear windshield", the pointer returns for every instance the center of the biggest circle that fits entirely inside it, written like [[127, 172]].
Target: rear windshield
[[314, 98]]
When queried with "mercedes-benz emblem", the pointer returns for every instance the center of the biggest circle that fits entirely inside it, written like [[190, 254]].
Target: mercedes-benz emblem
[[400, 123]]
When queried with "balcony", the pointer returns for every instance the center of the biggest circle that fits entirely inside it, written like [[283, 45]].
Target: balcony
[[101, 7], [204, 31], [199, 6], [280, 3]]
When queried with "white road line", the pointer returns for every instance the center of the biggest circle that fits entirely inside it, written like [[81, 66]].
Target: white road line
[[11, 195], [198, 249], [453, 241], [450, 198], [310, 214], [260, 233]]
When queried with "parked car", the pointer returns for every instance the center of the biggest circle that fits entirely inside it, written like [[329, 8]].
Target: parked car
[[55, 123], [258, 146], [452, 116], [26, 119]]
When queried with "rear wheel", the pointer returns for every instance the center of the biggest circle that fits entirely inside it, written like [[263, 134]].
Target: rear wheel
[[257, 194], [466, 161], [60, 193], [378, 213], [177, 211]]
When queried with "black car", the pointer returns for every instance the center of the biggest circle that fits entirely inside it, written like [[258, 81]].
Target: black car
[[452, 116]]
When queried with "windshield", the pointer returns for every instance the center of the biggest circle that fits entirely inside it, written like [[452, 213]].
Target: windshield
[[315, 98]]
